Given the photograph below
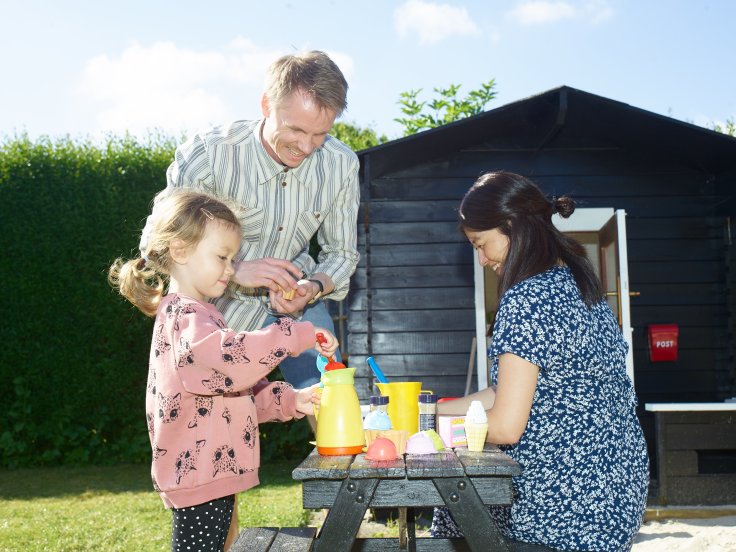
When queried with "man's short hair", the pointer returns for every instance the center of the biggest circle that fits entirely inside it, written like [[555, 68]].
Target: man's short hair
[[314, 73]]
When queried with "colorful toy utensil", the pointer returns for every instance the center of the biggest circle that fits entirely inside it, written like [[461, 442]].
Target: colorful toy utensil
[[376, 370], [332, 364], [321, 362]]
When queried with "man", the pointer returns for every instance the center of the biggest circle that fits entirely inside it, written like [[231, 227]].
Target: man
[[292, 181]]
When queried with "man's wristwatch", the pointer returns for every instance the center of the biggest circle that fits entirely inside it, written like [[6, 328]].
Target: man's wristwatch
[[320, 292]]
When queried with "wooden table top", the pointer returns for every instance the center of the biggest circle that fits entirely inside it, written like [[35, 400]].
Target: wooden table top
[[459, 462]]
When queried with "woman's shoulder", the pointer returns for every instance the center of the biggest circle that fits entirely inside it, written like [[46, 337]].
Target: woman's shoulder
[[540, 284], [538, 295]]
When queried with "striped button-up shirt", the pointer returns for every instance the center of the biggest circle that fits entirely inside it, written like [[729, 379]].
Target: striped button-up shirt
[[282, 208]]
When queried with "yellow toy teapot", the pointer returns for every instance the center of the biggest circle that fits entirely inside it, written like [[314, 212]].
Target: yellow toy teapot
[[339, 420]]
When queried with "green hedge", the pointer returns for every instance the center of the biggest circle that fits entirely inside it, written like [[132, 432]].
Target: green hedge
[[74, 355]]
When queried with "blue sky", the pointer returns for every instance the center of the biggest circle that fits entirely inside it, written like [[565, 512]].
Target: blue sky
[[86, 68]]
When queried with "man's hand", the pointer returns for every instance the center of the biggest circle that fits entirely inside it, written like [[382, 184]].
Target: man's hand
[[306, 399], [274, 274], [304, 293]]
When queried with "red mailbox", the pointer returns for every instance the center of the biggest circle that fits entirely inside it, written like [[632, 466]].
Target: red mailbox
[[663, 342]]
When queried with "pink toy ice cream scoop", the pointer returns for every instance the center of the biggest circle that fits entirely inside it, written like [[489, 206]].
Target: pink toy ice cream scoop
[[382, 449], [420, 443]]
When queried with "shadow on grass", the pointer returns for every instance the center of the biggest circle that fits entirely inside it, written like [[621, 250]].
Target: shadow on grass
[[70, 480]]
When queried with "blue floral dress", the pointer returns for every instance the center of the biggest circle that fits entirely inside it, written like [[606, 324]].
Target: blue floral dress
[[585, 470]]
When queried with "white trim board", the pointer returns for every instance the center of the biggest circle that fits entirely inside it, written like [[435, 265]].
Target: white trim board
[[690, 407], [584, 220]]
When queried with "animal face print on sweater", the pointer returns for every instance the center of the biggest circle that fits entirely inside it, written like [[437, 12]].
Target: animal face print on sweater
[[234, 350], [277, 390], [169, 407], [177, 311], [203, 407], [284, 325], [155, 485], [184, 352], [219, 322], [151, 383], [218, 383], [158, 452], [274, 357], [223, 460], [159, 340], [250, 433], [187, 461]]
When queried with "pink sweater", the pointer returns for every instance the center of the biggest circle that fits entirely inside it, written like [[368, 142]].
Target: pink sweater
[[206, 395]]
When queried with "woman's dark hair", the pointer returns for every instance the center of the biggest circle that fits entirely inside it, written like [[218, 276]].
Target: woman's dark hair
[[517, 208]]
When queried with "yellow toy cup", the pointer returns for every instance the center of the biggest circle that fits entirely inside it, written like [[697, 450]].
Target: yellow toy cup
[[403, 403]]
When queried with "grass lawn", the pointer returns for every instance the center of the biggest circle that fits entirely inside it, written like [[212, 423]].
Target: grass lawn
[[116, 509]]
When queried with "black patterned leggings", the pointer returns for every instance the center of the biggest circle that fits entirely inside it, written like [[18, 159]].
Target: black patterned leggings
[[202, 528]]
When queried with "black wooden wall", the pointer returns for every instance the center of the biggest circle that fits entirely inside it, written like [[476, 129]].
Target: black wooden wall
[[412, 303]]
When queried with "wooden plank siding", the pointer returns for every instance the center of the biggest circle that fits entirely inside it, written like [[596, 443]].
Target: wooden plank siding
[[412, 305]]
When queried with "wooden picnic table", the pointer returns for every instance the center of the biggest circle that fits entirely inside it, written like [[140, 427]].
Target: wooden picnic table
[[466, 482]]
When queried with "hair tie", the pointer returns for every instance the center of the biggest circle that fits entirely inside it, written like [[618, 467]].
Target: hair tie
[[146, 236], [554, 205]]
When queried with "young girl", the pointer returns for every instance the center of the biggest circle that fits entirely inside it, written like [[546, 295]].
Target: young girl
[[563, 405], [206, 391]]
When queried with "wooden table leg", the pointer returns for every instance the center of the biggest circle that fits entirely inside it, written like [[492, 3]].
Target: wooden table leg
[[471, 515], [402, 528], [344, 518], [411, 532]]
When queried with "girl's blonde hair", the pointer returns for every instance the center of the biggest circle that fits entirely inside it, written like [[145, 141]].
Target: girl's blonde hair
[[178, 214]]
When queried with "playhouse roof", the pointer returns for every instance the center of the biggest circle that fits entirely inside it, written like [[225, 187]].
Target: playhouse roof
[[562, 117]]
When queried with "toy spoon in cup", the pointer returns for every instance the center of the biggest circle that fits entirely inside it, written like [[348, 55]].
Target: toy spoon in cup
[[332, 364]]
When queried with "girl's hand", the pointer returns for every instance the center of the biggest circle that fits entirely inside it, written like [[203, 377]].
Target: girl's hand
[[306, 399], [329, 344]]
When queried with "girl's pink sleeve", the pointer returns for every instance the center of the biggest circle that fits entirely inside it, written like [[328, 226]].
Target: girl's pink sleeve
[[275, 400], [212, 360]]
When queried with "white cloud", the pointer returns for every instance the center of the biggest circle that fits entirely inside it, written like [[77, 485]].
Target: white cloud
[[540, 12], [175, 89], [432, 22]]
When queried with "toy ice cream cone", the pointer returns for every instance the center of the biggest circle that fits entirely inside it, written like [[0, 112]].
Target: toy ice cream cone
[[476, 435], [476, 426]]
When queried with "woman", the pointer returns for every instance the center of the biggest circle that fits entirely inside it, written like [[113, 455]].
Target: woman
[[563, 406]]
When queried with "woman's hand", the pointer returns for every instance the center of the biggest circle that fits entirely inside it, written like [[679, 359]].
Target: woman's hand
[[308, 397], [508, 405]]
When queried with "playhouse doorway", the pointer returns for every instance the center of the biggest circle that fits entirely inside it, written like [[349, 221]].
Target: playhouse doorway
[[602, 231]]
